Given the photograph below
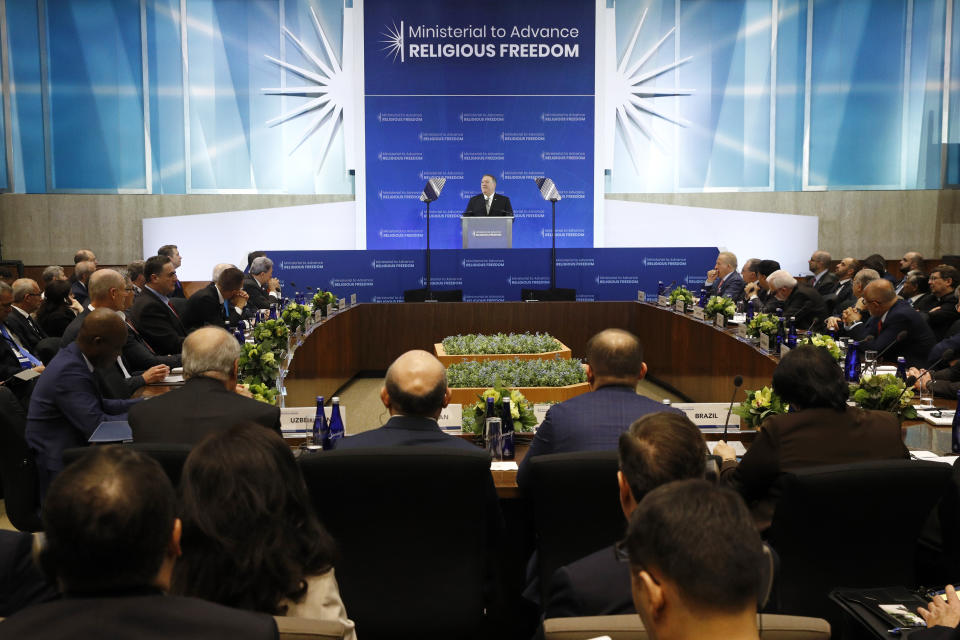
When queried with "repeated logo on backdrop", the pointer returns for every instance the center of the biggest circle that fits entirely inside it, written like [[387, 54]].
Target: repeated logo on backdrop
[[455, 91]]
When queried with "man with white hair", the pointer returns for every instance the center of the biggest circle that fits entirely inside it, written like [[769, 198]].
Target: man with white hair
[[209, 401], [26, 300], [260, 284], [723, 279], [799, 301], [82, 272]]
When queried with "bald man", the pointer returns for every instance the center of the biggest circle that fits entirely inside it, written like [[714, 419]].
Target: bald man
[[594, 421], [414, 392], [67, 405], [136, 365], [208, 402], [823, 281], [889, 315]]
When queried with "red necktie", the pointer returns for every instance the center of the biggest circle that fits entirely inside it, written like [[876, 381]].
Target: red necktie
[[880, 325], [170, 304]]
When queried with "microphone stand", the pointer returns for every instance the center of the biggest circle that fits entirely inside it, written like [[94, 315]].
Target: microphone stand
[[429, 295], [553, 247]]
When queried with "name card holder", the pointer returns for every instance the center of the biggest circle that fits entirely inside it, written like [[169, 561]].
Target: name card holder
[[343, 304], [720, 320], [331, 309], [698, 313], [708, 414], [784, 349], [765, 342], [451, 419], [679, 307], [663, 301], [540, 412], [298, 421], [742, 330], [641, 296], [353, 299]]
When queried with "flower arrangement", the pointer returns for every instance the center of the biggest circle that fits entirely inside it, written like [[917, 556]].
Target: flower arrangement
[[885, 392], [520, 410], [719, 304], [321, 299], [295, 316], [762, 323], [821, 340], [258, 365], [271, 335], [500, 343], [681, 293], [263, 393], [558, 372], [758, 406]]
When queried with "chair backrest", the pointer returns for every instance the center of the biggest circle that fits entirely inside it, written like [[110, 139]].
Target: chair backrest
[[576, 508], [411, 531], [18, 471], [850, 525], [308, 629], [170, 456], [630, 627]]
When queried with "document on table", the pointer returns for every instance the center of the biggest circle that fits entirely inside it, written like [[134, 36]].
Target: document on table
[[930, 456], [503, 465], [738, 447], [171, 380]]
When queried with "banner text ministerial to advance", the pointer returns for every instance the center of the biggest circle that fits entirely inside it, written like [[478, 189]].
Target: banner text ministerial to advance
[[484, 31]]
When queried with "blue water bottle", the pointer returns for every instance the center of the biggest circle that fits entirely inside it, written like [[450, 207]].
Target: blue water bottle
[[659, 288], [507, 450], [749, 310], [336, 423], [851, 365], [321, 431], [955, 430], [792, 333], [902, 368]]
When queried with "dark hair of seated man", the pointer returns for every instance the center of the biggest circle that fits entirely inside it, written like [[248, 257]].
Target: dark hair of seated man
[[808, 378]]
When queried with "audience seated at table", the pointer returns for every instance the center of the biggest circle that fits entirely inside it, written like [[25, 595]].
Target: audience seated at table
[[656, 449], [154, 315], [694, 560], [897, 330], [250, 537], [209, 401], [58, 309], [594, 421], [799, 301], [820, 429], [723, 279], [112, 540]]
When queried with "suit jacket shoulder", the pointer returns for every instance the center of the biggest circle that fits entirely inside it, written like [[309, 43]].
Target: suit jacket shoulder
[[405, 431], [595, 585], [162, 330]]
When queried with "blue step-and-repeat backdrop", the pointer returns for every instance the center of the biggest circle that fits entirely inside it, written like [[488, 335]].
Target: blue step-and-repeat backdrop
[[494, 275], [458, 90]]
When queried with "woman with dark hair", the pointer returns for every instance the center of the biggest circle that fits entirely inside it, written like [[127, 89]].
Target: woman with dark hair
[[250, 537], [55, 313], [820, 429], [877, 262]]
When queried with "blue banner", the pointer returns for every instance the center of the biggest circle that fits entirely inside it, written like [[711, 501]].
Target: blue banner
[[492, 275], [457, 91]]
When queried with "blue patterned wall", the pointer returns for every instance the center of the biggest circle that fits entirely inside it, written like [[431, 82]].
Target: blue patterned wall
[[107, 96]]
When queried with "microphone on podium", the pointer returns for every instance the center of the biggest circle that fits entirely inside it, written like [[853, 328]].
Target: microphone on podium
[[946, 356], [909, 382], [737, 381]]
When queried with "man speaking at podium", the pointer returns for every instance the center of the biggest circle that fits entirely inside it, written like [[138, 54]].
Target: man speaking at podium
[[488, 202]]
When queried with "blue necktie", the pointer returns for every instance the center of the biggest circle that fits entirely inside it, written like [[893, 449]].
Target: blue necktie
[[27, 359], [226, 310]]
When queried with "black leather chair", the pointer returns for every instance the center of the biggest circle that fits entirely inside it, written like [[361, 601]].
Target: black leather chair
[[170, 456], [411, 528], [576, 508], [850, 525], [18, 470]]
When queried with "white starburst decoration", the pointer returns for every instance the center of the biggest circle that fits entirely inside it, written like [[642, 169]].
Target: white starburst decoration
[[634, 102], [394, 41], [331, 88]]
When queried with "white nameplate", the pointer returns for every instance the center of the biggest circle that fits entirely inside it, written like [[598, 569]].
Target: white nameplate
[[343, 303], [720, 320], [540, 411], [641, 296], [679, 306], [330, 308], [353, 299], [742, 330], [708, 414], [698, 313], [739, 318], [784, 349], [318, 315], [663, 301], [298, 421], [765, 342], [451, 419]]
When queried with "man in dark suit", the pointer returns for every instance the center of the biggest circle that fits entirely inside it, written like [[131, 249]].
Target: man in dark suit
[[723, 279], [940, 305], [889, 315], [208, 402], [823, 281], [911, 261], [172, 252], [153, 314], [135, 273], [843, 293], [656, 449], [81, 273], [218, 303], [799, 301], [68, 405], [14, 357], [759, 292], [594, 421], [260, 285], [488, 202], [120, 379], [112, 540], [26, 300]]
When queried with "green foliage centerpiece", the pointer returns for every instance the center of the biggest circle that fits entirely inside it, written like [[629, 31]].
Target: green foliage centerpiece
[[558, 372], [681, 293], [821, 340], [720, 304], [884, 392], [321, 299], [500, 343], [758, 406], [259, 362], [520, 409], [762, 323], [295, 316]]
